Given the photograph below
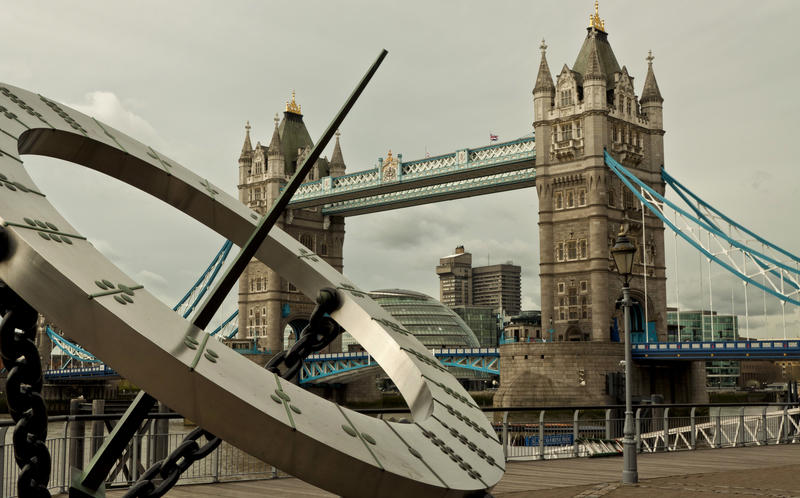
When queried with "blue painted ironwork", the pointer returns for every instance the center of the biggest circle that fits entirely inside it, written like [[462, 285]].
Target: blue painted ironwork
[[718, 350], [101, 370], [327, 366], [229, 326], [419, 179], [200, 287], [74, 351], [655, 202]]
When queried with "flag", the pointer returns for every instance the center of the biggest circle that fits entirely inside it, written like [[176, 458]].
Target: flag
[[492, 137]]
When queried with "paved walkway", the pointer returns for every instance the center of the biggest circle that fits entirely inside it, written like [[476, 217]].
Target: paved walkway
[[772, 471]]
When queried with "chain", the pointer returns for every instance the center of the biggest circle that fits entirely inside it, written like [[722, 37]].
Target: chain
[[320, 331], [24, 393], [170, 469]]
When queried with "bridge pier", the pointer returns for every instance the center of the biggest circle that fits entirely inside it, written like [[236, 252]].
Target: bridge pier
[[576, 373]]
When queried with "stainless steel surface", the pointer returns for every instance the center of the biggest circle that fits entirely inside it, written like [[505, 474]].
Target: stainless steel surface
[[145, 341]]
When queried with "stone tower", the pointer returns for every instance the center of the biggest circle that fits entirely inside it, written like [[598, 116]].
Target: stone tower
[[267, 302], [583, 205]]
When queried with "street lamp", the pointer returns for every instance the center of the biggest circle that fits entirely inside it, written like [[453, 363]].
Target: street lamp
[[623, 252]]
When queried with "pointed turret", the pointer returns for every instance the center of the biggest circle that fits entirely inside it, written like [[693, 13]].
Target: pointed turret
[[276, 165], [544, 80], [594, 69], [650, 92], [246, 157], [247, 148], [337, 166], [544, 91], [651, 100]]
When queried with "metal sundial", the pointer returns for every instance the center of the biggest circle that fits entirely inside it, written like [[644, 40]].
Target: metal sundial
[[449, 450]]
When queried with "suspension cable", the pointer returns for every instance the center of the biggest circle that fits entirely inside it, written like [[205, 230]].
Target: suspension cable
[[644, 266]]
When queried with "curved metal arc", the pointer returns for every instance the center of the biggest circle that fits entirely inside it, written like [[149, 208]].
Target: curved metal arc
[[57, 281], [688, 239], [622, 172]]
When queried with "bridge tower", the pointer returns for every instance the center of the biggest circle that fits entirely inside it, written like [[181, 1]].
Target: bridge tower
[[267, 302], [590, 108]]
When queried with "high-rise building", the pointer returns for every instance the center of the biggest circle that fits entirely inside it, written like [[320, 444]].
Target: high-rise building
[[498, 286], [455, 278], [495, 286]]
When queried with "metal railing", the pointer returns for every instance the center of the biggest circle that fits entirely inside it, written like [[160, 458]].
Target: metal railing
[[226, 463], [527, 433]]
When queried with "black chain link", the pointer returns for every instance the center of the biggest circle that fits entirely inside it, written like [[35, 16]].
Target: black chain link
[[24, 392], [320, 331], [170, 469]]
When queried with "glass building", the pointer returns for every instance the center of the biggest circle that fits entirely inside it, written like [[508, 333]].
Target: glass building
[[435, 325], [683, 326], [483, 321]]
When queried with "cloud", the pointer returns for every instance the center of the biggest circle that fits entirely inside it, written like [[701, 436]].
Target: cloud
[[108, 108]]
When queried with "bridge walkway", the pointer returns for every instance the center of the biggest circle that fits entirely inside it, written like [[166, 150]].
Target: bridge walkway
[[721, 469]]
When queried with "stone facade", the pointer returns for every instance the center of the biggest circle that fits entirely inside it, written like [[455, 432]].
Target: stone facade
[[267, 302], [590, 108]]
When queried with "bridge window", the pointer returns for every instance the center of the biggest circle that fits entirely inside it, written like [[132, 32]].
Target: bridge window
[[561, 287], [570, 198], [307, 240], [566, 97], [258, 284], [560, 251], [566, 132], [578, 132], [586, 311], [581, 197], [292, 288], [323, 250], [584, 286], [572, 250], [582, 249], [611, 199], [573, 303], [558, 200], [628, 107], [562, 308]]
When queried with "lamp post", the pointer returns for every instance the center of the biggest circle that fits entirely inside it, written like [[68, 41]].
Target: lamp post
[[623, 252]]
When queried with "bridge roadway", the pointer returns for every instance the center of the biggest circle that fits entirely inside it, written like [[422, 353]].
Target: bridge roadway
[[339, 366], [743, 472], [395, 184]]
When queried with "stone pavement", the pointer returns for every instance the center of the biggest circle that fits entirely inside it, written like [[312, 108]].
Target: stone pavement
[[772, 471]]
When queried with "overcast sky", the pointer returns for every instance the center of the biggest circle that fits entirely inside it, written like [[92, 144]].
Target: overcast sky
[[184, 77]]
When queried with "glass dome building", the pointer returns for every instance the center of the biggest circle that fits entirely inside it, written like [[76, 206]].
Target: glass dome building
[[434, 324]]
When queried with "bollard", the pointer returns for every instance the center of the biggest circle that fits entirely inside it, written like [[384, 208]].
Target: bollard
[[738, 439], [608, 423], [666, 429], [763, 438], [98, 429], [718, 430], [161, 437], [693, 434]]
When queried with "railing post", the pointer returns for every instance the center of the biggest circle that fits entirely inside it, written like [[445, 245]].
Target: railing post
[[64, 461], [98, 429], [608, 423], [76, 438], [666, 429], [718, 430], [784, 435], [764, 437], [505, 436], [575, 417], [541, 434], [638, 430], [3, 431], [738, 440], [693, 435], [161, 434], [216, 463]]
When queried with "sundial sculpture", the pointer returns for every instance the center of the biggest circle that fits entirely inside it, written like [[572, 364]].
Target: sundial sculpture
[[450, 449]]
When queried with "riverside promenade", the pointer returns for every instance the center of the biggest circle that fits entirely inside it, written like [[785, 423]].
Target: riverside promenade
[[771, 471]]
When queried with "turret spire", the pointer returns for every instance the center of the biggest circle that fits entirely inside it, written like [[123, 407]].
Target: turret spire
[[337, 166], [650, 93], [594, 69], [247, 148], [544, 80]]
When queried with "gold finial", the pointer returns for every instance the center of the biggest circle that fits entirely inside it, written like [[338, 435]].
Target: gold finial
[[389, 156], [338, 134], [293, 107], [595, 21], [649, 58]]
